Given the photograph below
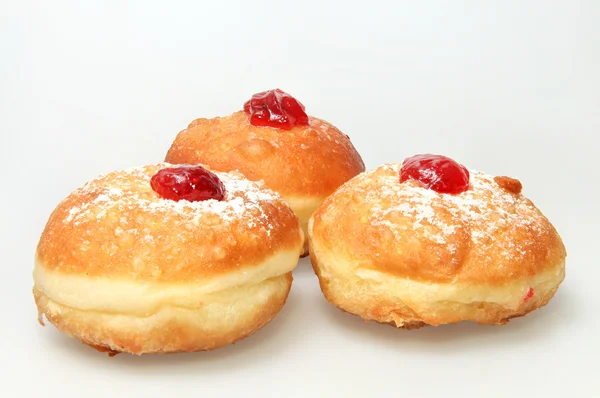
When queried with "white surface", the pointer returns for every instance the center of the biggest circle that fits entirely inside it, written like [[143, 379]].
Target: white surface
[[509, 87]]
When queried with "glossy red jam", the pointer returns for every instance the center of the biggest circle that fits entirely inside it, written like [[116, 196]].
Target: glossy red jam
[[275, 108], [529, 295], [191, 183], [436, 172]]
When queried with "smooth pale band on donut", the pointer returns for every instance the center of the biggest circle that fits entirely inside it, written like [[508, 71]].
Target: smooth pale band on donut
[[120, 315], [348, 276], [139, 298], [303, 207], [230, 316]]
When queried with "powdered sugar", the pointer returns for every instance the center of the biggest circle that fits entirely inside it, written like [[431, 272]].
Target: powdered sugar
[[483, 209], [129, 190]]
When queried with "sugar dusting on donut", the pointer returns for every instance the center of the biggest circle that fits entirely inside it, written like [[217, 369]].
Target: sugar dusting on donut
[[485, 208], [130, 190]]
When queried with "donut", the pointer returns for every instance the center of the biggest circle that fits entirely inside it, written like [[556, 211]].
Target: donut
[[164, 258], [303, 158], [430, 242]]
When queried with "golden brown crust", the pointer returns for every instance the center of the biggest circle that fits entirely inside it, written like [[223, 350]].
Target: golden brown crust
[[169, 331], [306, 161], [117, 226], [485, 235]]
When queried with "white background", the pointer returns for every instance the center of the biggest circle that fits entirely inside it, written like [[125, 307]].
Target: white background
[[507, 87]]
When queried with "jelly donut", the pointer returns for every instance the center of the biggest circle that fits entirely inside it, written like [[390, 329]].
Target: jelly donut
[[429, 242], [163, 258], [303, 158]]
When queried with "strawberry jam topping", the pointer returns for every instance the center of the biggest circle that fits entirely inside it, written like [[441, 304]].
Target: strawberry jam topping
[[436, 172], [529, 295], [191, 183], [275, 108]]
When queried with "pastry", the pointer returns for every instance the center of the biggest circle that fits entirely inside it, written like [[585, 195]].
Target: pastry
[[430, 242], [303, 158], [163, 258]]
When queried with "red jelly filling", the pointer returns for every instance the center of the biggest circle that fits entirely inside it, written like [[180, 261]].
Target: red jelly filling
[[275, 108], [529, 295], [192, 183], [436, 172]]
